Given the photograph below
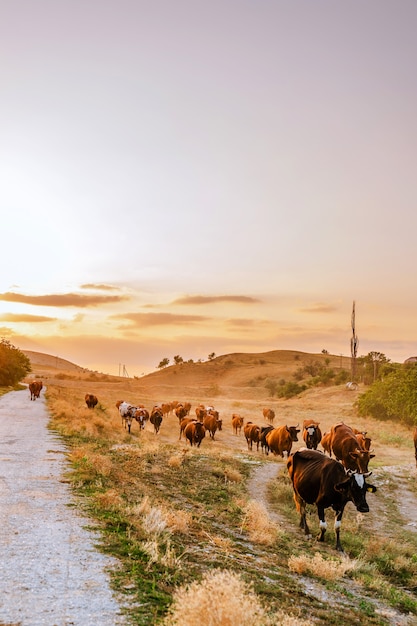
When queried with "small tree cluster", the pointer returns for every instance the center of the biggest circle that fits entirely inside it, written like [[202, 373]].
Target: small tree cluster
[[392, 397], [14, 364]]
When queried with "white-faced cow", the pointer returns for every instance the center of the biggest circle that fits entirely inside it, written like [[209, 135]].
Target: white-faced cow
[[322, 481], [141, 415], [311, 434], [126, 412]]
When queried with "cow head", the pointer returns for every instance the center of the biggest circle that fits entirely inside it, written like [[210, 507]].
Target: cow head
[[293, 431], [354, 488], [361, 458]]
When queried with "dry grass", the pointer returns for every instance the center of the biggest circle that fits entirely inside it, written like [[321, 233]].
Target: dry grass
[[258, 524], [222, 598], [179, 502], [236, 604], [329, 569]]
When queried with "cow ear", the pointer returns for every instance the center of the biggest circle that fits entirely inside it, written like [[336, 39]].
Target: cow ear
[[370, 488], [343, 486], [371, 456]]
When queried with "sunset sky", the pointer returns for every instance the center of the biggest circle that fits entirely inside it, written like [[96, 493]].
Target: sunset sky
[[186, 177]]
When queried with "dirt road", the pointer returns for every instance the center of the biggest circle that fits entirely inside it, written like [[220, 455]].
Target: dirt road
[[50, 572]]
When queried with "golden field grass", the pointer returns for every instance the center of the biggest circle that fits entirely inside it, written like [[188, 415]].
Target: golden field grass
[[174, 515]]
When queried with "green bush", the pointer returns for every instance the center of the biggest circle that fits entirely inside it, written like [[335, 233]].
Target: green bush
[[394, 397], [14, 365]]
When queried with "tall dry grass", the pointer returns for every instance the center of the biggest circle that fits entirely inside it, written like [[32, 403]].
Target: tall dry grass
[[317, 565], [222, 598], [258, 524]]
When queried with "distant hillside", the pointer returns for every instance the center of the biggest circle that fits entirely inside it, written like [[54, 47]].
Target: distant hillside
[[41, 360], [248, 371], [242, 369]]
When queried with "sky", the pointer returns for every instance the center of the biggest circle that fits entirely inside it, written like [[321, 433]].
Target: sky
[[188, 178]]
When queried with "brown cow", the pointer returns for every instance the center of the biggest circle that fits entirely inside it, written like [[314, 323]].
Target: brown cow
[[195, 432], [269, 415], [200, 412], [325, 442], [212, 423], [166, 408], [346, 449], [35, 388], [252, 434], [364, 442], [415, 443], [237, 423], [318, 480], [184, 423], [141, 415], [181, 412], [280, 440], [156, 418], [91, 400], [311, 434], [264, 431]]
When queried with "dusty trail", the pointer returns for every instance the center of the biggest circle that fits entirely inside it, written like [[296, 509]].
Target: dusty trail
[[50, 572]]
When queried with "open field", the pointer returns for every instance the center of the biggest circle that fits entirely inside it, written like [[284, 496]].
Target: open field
[[171, 513]]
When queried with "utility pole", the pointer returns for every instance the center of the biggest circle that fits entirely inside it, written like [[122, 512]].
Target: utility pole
[[354, 342]]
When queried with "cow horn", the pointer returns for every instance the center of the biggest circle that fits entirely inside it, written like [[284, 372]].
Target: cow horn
[[366, 474]]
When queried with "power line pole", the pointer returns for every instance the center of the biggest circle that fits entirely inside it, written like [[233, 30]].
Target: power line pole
[[354, 342]]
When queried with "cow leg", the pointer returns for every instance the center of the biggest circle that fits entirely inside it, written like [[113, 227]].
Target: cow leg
[[337, 526], [301, 508], [323, 524]]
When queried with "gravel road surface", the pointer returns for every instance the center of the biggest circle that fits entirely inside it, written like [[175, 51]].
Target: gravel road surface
[[50, 572]]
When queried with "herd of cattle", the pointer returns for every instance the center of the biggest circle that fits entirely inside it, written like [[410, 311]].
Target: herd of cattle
[[328, 479]]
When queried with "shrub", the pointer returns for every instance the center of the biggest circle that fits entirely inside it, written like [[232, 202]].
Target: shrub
[[14, 365]]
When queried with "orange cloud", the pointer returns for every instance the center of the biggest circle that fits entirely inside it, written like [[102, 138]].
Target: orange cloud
[[319, 307], [99, 287], [247, 323], [22, 317], [213, 299], [160, 319], [61, 300]]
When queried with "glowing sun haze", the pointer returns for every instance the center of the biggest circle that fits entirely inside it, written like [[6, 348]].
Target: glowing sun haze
[[188, 178]]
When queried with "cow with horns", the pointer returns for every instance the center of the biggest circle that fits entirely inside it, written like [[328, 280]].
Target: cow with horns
[[322, 481]]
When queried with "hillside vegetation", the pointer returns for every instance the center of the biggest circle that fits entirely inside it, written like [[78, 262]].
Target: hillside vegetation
[[173, 514]]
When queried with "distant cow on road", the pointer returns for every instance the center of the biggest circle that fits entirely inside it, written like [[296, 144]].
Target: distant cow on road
[[35, 388]]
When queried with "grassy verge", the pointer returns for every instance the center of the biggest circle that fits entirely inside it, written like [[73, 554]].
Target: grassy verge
[[171, 514]]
